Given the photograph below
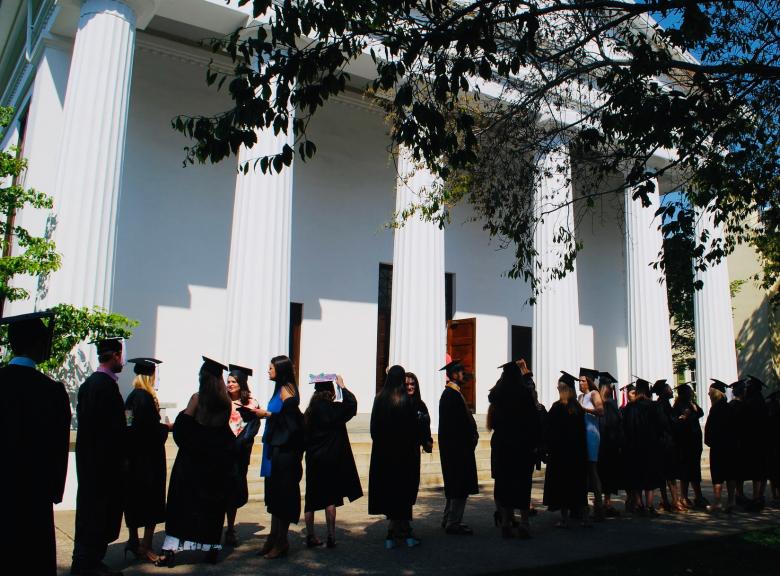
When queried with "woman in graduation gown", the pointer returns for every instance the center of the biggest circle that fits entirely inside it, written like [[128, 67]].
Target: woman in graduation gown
[[565, 480], [424, 436], [147, 471], [331, 474], [689, 446], [283, 450], [203, 473], [516, 430], [670, 428], [245, 424], [394, 473], [642, 456], [720, 436], [611, 433]]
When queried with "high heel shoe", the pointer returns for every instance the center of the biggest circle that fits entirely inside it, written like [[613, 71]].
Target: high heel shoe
[[145, 553], [311, 541], [166, 559], [267, 547], [278, 552]]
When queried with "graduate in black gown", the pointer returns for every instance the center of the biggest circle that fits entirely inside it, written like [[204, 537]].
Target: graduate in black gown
[[284, 438], [720, 436], [424, 436], [245, 424], [773, 452], [566, 477], [670, 454], [643, 456], [610, 470], [394, 473], [629, 396], [36, 455], [689, 446], [101, 461], [331, 474], [458, 438], [754, 446], [203, 472], [147, 470], [742, 439], [516, 431]]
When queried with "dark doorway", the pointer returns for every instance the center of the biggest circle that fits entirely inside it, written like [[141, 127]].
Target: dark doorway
[[296, 319], [522, 344]]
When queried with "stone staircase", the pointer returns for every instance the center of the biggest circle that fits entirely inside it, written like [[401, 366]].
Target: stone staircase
[[360, 438]]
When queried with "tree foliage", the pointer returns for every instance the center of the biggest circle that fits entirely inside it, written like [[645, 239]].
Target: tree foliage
[[24, 253], [479, 91]]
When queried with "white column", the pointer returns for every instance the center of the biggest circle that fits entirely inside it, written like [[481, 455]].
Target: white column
[[716, 355], [258, 291], [557, 311], [92, 147], [649, 339], [418, 332]]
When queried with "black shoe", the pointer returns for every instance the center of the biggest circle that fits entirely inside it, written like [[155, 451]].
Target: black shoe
[[330, 542], [459, 530]]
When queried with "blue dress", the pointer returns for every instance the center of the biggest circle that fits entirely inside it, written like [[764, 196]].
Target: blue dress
[[274, 405], [592, 433]]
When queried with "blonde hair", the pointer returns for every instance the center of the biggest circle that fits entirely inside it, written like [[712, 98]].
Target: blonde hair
[[144, 382]]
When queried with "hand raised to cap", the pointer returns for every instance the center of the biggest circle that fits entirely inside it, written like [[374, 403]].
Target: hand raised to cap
[[339, 381], [523, 366]]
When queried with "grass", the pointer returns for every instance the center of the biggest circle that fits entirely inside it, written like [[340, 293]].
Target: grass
[[755, 553]]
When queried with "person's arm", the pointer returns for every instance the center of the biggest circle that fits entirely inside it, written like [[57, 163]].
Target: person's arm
[[598, 404], [60, 442]]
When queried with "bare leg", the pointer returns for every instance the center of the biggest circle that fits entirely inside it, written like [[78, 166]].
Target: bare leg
[[231, 519], [731, 489], [309, 516], [717, 491], [649, 498], [330, 520]]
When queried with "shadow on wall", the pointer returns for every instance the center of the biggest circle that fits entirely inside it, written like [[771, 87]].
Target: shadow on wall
[[75, 370], [756, 346]]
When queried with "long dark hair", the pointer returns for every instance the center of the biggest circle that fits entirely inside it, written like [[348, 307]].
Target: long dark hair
[[213, 400], [416, 398], [285, 374], [393, 393], [319, 396], [243, 383]]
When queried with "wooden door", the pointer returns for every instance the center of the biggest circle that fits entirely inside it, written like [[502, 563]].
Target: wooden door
[[296, 319], [462, 345]]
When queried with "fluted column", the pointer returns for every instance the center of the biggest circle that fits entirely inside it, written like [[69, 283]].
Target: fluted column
[[556, 311], [258, 290], [91, 160], [418, 338], [716, 355], [649, 339]]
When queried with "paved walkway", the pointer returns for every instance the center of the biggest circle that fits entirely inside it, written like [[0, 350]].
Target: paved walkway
[[360, 539]]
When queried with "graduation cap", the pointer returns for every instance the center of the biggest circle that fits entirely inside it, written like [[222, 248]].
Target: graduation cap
[[213, 367], [642, 385], [145, 366], [589, 372], [237, 368], [659, 386], [29, 329], [453, 366], [605, 378], [628, 387], [569, 379], [753, 382], [738, 387], [326, 382], [718, 385], [685, 387]]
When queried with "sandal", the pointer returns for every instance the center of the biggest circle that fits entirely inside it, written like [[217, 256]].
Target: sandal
[[277, 553], [267, 547], [167, 559], [311, 541]]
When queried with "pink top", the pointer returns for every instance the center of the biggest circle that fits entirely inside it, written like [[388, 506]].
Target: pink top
[[105, 370], [237, 423]]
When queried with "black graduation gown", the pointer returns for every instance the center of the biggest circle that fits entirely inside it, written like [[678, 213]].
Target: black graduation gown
[[754, 434], [689, 442], [331, 474], [424, 438], [565, 480], [609, 465], [458, 438], [284, 437], [516, 435], [740, 432], [101, 459], [670, 455], [36, 456], [244, 443], [201, 480], [720, 436], [773, 451], [147, 471], [394, 472], [642, 456]]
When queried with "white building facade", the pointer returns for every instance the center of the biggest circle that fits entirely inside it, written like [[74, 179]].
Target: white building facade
[[246, 267]]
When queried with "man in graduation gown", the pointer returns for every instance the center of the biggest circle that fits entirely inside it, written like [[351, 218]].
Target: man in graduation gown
[[755, 446], [719, 435], [670, 458], [458, 439], [101, 462], [35, 452]]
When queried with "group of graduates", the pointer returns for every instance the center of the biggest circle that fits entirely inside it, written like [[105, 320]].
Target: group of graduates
[[588, 442]]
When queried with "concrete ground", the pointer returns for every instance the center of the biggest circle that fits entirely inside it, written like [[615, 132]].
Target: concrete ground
[[360, 541]]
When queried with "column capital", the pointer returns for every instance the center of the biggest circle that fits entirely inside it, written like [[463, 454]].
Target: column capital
[[138, 12]]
